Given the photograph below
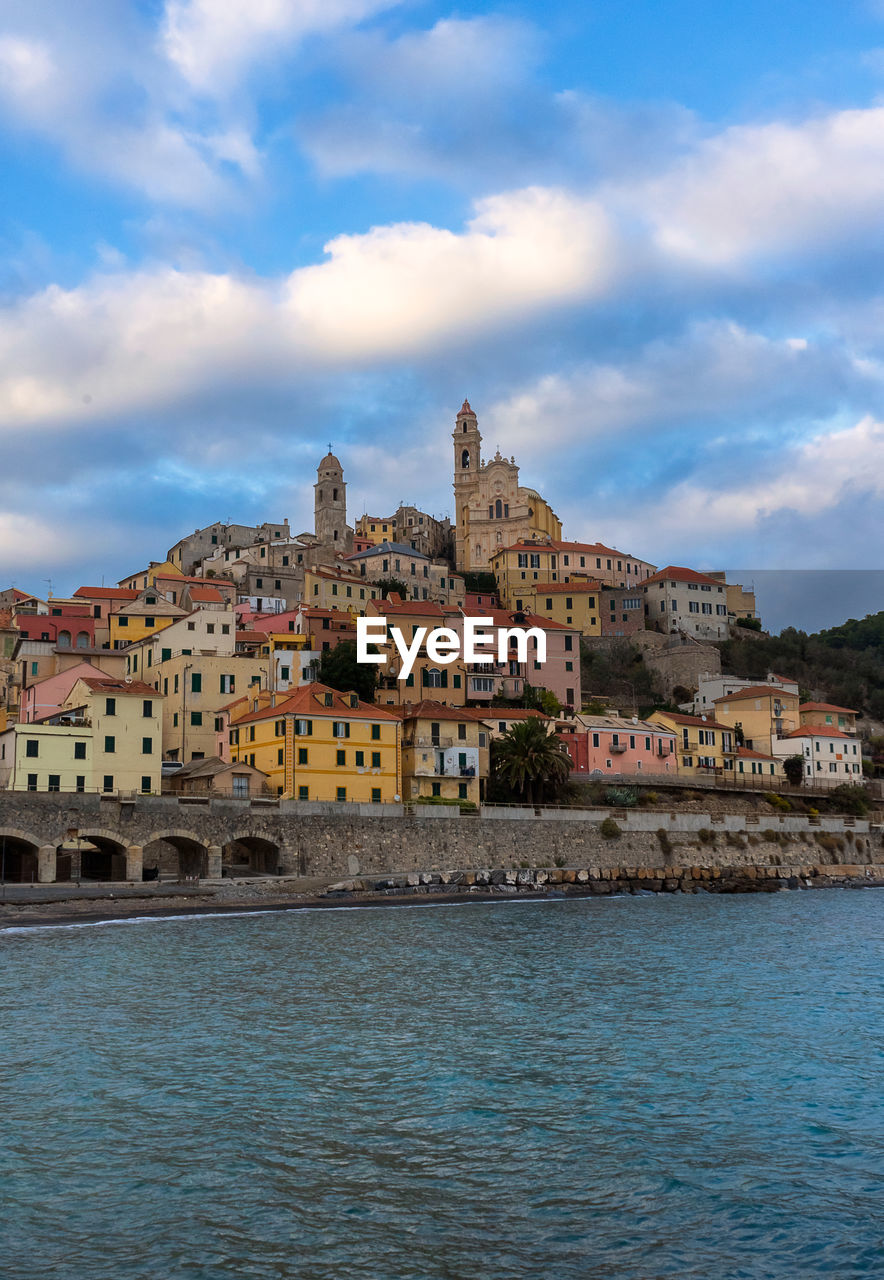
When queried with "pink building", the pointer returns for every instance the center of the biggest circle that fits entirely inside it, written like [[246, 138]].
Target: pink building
[[616, 745], [560, 673], [45, 697]]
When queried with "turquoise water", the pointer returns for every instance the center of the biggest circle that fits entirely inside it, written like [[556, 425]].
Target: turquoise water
[[619, 1088]]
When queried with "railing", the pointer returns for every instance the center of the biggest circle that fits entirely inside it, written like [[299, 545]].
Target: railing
[[427, 742]]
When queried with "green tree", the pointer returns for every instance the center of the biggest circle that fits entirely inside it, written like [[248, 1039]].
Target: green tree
[[390, 585], [793, 768], [544, 700], [339, 669], [532, 763]]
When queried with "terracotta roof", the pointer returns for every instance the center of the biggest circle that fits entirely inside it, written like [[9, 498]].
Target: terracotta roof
[[256, 636], [206, 595], [508, 713], [677, 573], [465, 408], [754, 691], [105, 684], [818, 731], [574, 548], [429, 710], [745, 754], [507, 618], [305, 702], [826, 706], [568, 588], [678, 718], [108, 593]]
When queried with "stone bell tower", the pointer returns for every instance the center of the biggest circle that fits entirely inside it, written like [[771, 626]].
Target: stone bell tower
[[330, 506], [467, 462]]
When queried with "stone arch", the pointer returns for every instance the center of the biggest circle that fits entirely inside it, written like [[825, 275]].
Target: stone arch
[[261, 856], [176, 854], [18, 855], [99, 855]]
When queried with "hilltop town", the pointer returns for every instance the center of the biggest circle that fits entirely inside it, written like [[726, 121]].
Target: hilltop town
[[227, 667]]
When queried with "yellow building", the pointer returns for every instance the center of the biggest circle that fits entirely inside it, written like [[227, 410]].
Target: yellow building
[[572, 604], [524, 564], [822, 715], [325, 589], [319, 744], [444, 756], [141, 617], [757, 764], [703, 746], [375, 529], [443, 682], [106, 737], [147, 577], [758, 715], [492, 509]]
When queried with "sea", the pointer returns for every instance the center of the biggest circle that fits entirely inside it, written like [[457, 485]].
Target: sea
[[625, 1088]]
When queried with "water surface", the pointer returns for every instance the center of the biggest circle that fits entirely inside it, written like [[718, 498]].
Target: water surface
[[623, 1088]]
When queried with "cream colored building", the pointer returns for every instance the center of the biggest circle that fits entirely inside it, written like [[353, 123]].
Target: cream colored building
[[758, 715], [106, 737], [492, 509]]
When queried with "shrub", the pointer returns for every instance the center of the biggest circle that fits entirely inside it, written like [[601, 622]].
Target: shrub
[[690, 796], [610, 829], [651, 797], [621, 797], [559, 860], [705, 836], [665, 842], [851, 799], [771, 836], [777, 802]]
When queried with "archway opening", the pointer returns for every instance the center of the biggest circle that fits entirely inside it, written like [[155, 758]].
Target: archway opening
[[100, 858], [175, 857], [18, 860], [250, 856]]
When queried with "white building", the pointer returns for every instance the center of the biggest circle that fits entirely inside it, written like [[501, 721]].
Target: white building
[[831, 757], [682, 600]]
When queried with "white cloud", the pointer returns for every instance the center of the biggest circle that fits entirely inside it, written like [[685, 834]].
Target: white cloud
[[214, 42], [128, 340], [399, 288], [755, 190]]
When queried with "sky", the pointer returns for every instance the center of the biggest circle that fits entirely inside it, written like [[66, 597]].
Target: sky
[[645, 240]]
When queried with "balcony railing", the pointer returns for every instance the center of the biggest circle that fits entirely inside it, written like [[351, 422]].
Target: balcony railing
[[427, 742], [617, 748]]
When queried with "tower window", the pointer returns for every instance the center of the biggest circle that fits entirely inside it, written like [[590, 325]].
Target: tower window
[[334, 495], [465, 459]]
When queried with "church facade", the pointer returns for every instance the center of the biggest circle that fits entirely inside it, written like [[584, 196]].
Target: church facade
[[492, 509]]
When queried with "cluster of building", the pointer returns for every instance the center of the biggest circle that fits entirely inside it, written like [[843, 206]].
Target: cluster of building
[[200, 671]]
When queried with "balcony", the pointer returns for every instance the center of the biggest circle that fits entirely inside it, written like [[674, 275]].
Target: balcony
[[427, 742], [617, 748]]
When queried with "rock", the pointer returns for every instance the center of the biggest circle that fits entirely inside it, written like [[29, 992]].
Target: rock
[[343, 886], [582, 876], [541, 876], [412, 879], [509, 877], [483, 877], [600, 886], [468, 878], [556, 875], [426, 877], [525, 876], [569, 876], [670, 884]]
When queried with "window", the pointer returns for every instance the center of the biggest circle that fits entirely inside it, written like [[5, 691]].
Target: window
[[79, 750], [32, 747], [303, 793], [110, 706], [54, 783], [375, 732], [436, 788], [196, 682], [341, 758], [32, 782], [341, 729], [360, 759], [376, 795], [123, 622], [304, 728], [375, 759], [146, 746], [145, 785], [108, 782], [227, 684], [110, 745], [81, 783], [341, 793], [147, 709]]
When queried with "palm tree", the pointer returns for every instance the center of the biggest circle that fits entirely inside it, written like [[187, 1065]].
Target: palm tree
[[529, 759]]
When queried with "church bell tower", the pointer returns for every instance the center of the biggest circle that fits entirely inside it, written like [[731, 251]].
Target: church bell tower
[[467, 461]]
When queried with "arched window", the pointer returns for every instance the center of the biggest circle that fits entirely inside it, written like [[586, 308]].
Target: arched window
[[465, 460], [64, 639], [334, 495], [82, 640], [498, 509]]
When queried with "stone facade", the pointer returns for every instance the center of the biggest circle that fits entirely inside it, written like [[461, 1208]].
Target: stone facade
[[333, 840]]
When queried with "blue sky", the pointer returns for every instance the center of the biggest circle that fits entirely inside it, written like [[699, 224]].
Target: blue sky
[[646, 241]]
